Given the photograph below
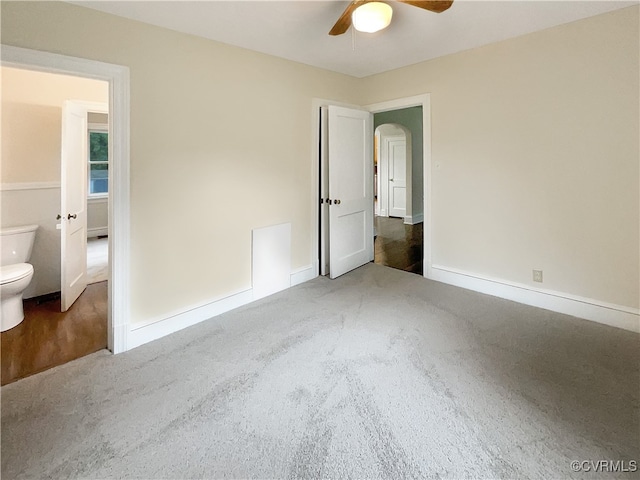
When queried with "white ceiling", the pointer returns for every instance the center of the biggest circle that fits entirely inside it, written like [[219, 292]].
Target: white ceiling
[[297, 30]]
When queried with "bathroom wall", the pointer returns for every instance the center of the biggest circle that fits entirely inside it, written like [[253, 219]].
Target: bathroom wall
[[30, 166]]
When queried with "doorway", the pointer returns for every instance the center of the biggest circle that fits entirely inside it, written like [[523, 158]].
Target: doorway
[[117, 77], [398, 238], [421, 218], [41, 179], [399, 204], [392, 164], [346, 189]]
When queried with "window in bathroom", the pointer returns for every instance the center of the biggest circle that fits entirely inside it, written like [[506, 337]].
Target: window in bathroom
[[98, 162]]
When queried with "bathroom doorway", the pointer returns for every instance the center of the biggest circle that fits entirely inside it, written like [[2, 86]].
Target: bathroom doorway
[[109, 300], [118, 78], [34, 184]]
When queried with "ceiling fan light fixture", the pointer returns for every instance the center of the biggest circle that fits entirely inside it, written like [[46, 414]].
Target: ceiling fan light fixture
[[372, 17]]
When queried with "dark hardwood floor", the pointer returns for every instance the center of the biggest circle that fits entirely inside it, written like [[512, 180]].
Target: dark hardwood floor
[[47, 337], [398, 245]]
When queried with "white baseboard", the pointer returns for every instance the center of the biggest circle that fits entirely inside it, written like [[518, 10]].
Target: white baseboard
[[97, 232], [141, 334], [414, 219], [618, 316], [303, 274]]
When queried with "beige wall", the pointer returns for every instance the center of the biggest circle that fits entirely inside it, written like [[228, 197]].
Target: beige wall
[[30, 162], [221, 142], [535, 153]]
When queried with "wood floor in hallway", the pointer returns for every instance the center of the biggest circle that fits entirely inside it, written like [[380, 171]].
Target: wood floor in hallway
[[398, 245], [48, 338]]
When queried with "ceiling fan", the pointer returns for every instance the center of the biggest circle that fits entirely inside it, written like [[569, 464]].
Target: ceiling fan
[[381, 12]]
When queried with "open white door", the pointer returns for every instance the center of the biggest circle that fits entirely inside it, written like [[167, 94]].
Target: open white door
[[350, 202], [396, 151], [73, 203]]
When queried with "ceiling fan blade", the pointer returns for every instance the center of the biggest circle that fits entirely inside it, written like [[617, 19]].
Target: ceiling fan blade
[[344, 22], [436, 6]]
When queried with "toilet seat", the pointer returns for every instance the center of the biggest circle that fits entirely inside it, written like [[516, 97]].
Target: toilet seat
[[15, 272]]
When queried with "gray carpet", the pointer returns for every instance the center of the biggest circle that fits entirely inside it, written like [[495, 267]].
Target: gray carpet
[[379, 374]]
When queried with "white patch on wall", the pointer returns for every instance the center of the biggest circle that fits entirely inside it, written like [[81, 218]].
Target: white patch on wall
[[271, 260]]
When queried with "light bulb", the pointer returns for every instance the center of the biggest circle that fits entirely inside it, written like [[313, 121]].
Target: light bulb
[[371, 17]]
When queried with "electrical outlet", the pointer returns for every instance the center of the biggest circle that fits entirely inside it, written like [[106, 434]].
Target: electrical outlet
[[537, 276]]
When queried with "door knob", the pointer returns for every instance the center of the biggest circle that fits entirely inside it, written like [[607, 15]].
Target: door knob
[[337, 202], [69, 217], [58, 217]]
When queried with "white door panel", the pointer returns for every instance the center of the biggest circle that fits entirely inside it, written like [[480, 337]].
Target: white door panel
[[73, 203], [397, 154], [350, 165]]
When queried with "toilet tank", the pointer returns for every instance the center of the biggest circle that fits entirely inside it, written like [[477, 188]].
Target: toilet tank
[[16, 244]]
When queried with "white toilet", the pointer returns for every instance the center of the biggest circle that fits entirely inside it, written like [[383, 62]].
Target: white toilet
[[16, 244]]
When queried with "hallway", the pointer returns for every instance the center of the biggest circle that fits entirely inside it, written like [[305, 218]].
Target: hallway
[[398, 245]]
